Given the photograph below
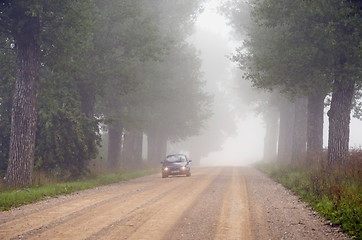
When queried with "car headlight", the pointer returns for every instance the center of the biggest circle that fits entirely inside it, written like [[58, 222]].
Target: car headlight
[[183, 168], [165, 169]]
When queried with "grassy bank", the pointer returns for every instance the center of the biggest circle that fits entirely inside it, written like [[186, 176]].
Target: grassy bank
[[335, 193], [15, 198]]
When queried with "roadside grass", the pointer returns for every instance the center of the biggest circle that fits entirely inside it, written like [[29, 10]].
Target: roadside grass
[[335, 193], [12, 198]]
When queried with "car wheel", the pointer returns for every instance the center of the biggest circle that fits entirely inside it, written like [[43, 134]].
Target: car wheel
[[164, 175]]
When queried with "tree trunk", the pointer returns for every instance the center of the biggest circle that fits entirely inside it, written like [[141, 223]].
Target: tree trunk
[[339, 120], [285, 142], [25, 100], [271, 136], [132, 149], [300, 130], [115, 132], [315, 127], [157, 147]]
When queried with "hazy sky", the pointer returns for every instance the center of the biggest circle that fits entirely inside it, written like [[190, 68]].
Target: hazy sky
[[247, 146]]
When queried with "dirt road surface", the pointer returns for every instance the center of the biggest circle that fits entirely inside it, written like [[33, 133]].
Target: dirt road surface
[[214, 203]]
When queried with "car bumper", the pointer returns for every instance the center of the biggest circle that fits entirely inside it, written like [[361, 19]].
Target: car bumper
[[175, 171]]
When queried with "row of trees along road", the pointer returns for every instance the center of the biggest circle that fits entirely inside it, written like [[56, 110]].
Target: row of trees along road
[[302, 52], [69, 67]]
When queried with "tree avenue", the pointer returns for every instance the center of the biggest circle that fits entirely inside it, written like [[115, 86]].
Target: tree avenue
[[72, 72], [304, 48]]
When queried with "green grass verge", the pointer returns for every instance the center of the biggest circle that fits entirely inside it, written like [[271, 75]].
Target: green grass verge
[[15, 198], [335, 195]]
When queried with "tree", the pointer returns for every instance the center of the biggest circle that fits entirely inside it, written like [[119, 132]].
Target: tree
[[271, 119], [299, 148], [315, 114], [286, 126], [343, 26], [132, 150], [29, 24], [24, 26]]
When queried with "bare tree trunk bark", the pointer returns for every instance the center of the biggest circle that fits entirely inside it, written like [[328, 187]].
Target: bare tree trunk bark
[[300, 130], [315, 127], [339, 120], [285, 142], [25, 100], [115, 132]]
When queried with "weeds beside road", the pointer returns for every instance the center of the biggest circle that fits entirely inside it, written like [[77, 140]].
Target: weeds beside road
[[335, 193]]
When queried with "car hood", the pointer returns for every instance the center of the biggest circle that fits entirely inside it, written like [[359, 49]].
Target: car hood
[[174, 164]]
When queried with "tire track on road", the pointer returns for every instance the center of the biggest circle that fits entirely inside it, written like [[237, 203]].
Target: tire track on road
[[200, 220], [234, 222]]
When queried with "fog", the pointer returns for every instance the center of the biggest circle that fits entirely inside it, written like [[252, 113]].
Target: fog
[[243, 141], [243, 144]]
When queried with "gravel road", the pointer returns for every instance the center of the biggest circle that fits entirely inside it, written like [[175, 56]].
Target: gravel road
[[214, 203]]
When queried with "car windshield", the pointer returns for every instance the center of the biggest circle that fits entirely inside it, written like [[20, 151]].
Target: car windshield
[[176, 158]]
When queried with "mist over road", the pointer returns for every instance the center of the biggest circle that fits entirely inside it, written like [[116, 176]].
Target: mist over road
[[214, 203]]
